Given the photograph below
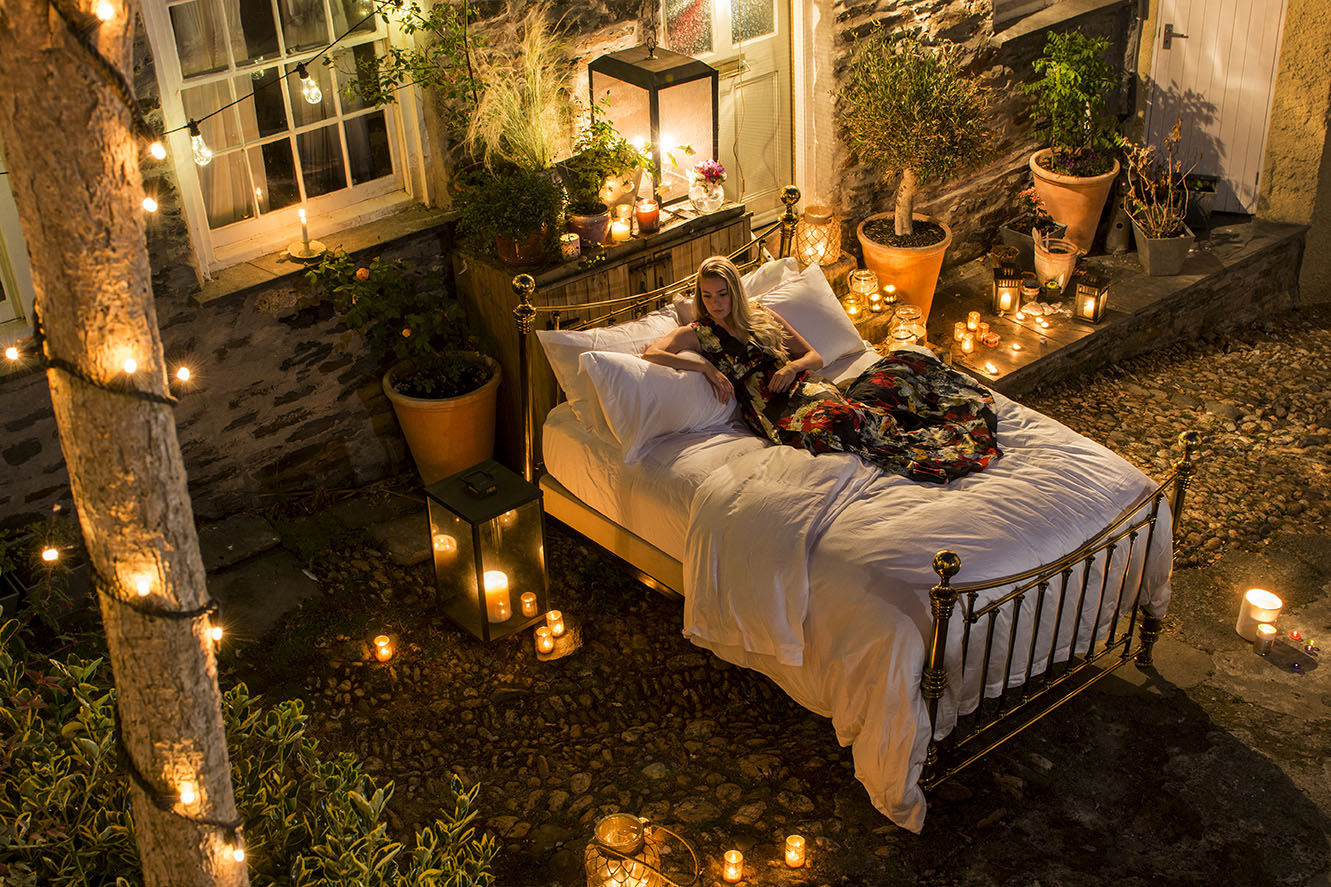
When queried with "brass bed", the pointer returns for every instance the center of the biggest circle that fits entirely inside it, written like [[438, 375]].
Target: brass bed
[[1060, 583]]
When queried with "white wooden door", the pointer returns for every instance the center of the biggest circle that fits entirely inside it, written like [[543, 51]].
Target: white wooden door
[[1214, 64], [748, 41]]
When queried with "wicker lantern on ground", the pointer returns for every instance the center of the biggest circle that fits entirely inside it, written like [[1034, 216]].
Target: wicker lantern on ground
[[818, 236]]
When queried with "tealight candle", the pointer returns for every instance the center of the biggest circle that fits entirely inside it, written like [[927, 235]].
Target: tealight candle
[[973, 320], [1259, 605], [967, 343], [528, 602], [383, 648], [732, 868], [555, 620], [1005, 301], [1016, 346], [649, 216], [795, 851], [498, 604], [620, 231], [545, 642], [1296, 635], [991, 368], [958, 330], [1265, 638], [570, 247]]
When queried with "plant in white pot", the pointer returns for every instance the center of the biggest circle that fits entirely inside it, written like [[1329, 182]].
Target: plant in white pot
[[1156, 203], [443, 390], [907, 108], [1074, 175]]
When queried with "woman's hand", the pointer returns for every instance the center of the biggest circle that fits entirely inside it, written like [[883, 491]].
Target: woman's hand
[[721, 386], [783, 378]]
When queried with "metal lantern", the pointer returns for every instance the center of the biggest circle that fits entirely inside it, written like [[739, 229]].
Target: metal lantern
[[662, 99], [1007, 290], [625, 852], [487, 536], [818, 237], [1090, 292]]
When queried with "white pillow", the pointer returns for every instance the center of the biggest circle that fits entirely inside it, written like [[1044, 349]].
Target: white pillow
[[643, 401], [564, 347], [756, 283], [807, 302]]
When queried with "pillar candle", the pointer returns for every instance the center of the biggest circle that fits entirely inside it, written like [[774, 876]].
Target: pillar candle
[[1259, 605], [649, 216], [498, 604], [304, 231], [445, 549]]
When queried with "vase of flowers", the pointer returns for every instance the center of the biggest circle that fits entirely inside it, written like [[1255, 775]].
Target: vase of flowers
[[706, 190]]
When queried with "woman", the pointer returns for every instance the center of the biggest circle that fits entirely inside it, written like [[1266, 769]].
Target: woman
[[907, 414]]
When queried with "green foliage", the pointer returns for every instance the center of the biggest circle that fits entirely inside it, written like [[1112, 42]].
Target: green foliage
[[46, 582], [599, 152], [907, 106], [405, 314], [1071, 102], [311, 819], [509, 201]]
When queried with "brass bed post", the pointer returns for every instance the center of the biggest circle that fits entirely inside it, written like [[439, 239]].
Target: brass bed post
[[790, 195], [944, 598], [524, 314], [1183, 471]]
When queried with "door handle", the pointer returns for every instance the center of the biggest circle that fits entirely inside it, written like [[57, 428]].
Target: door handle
[[1171, 35]]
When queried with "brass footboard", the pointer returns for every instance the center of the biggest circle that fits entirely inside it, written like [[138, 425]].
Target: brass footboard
[[1045, 681]]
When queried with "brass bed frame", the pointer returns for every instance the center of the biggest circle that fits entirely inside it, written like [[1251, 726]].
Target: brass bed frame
[[1046, 684]]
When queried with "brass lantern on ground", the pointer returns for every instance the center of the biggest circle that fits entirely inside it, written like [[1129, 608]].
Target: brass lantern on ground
[[818, 237], [1007, 290], [625, 852], [1090, 292]]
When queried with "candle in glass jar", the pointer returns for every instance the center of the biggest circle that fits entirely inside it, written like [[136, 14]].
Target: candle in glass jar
[[967, 343], [795, 851], [875, 301], [555, 620], [545, 642], [528, 602], [973, 320], [732, 868], [649, 216], [1266, 638], [383, 648], [958, 330], [620, 231], [623, 211], [982, 330], [498, 604], [570, 247]]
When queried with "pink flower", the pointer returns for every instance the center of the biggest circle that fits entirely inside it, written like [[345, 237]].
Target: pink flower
[[710, 171]]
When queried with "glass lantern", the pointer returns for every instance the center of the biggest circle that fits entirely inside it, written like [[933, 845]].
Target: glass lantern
[[1090, 292], [1007, 290], [908, 320], [622, 853], [487, 535], [818, 237], [661, 100], [853, 303]]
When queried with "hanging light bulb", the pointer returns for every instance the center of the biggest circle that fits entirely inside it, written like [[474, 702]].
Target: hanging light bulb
[[50, 554], [215, 632], [157, 149], [238, 853], [308, 88], [203, 155], [149, 205]]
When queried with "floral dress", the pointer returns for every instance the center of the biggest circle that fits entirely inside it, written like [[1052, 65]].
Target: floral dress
[[907, 414]]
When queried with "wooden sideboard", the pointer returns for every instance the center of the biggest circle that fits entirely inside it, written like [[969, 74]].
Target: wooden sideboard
[[641, 264]]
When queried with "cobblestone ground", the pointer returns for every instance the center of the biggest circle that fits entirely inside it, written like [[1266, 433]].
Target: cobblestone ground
[[639, 720]]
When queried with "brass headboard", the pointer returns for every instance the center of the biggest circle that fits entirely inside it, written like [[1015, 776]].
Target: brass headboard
[[618, 308]]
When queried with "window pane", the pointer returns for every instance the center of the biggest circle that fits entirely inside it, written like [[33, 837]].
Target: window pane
[[304, 25], [367, 146], [254, 36], [220, 131], [321, 161], [265, 114], [226, 189], [275, 175], [303, 111], [689, 25], [347, 64], [348, 13], [751, 18], [200, 43]]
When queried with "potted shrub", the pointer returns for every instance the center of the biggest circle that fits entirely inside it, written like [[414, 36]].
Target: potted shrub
[[1030, 221], [510, 211], [443, 390], [605, 170], [909, 109], [1074, 175], [1156, 203]]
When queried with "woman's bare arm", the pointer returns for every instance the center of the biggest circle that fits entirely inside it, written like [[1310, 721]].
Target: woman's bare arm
[[665, 351], [802, 355]]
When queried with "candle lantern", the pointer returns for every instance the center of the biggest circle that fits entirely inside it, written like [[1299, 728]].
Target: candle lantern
[[1090, 291], [663, 101], [625, 851], [818, 238], [1007, 290], [1259, 606], [497, 525]]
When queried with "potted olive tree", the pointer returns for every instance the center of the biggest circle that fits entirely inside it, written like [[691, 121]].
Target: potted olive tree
[[443, 390], [1074, 175], [908, 109]]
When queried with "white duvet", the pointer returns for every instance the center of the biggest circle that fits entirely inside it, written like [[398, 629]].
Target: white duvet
[[816, 570]]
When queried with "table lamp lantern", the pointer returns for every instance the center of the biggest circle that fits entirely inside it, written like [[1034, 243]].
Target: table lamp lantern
[[487, 530], [818, 237]]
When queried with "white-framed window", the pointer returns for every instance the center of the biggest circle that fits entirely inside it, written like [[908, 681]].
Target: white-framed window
[[274, 152], [16, 293]]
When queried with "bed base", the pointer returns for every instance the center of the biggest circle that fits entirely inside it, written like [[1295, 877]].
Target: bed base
[[1045, 683]]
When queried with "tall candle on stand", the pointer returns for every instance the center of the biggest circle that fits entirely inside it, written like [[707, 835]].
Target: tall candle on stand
[[498, 604], [304, 231]]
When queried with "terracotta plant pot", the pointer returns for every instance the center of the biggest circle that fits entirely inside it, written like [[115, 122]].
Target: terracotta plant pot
[[446, 435], [1072, 200], [592, 230], [912, 270], [1162, 256], [521, 252]]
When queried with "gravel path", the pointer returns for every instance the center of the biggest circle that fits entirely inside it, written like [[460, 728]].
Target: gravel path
[[640, 720]]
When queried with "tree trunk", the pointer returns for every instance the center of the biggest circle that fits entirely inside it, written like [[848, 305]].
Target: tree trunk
[[74, 171], [905, 217]]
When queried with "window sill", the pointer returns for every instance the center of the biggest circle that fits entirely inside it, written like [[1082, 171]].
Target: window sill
[[277, 266], [1051, 16]]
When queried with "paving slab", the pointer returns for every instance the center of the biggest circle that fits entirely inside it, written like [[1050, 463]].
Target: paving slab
[[254, 595], [365, 511], [406, 540], [233, 540]]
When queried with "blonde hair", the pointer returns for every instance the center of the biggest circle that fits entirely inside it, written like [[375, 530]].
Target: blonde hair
[[752, 320]]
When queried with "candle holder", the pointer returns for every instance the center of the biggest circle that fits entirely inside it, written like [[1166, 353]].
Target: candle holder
[[1259, 607], [1090, 292], [496, 557], [1007, 290], [626, 850]]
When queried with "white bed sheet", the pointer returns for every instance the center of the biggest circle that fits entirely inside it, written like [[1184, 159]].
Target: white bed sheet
[[857, 670]]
